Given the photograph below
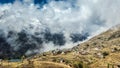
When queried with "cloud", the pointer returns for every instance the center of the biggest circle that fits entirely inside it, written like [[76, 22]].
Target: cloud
[[68, 20]]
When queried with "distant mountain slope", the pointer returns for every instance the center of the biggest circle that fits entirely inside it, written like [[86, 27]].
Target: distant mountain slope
[[101, 51], [98, 52], [104, 48]]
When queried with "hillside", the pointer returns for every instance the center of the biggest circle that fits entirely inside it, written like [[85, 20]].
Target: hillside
[[101, 51]]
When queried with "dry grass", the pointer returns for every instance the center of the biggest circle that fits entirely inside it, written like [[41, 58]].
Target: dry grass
[[34, 64], [103, 43]]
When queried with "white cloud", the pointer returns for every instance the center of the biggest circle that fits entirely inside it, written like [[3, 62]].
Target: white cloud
[[90, 16]]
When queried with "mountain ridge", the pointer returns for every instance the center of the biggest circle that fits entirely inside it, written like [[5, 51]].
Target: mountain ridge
[[100, 51]]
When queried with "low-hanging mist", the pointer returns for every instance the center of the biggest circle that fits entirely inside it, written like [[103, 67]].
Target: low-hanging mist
[[27, 28]]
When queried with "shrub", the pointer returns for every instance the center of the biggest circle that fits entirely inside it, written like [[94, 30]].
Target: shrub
[[78, 65], [105, 53]]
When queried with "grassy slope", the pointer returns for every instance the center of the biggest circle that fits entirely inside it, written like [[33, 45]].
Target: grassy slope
[[97, 52], [35, 64]]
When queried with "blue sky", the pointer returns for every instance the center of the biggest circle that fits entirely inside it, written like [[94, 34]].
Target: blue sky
[[40, 2], [35, 1], [11, 1], [6, 1]]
